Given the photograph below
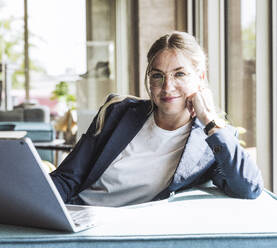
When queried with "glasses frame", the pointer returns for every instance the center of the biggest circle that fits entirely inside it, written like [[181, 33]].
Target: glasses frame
[[164, 74]]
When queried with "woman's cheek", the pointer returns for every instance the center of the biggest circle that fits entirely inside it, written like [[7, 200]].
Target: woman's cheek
[[154, 96], [190, 90]]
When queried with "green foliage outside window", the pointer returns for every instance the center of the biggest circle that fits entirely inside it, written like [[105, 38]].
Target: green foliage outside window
[[62, 93], [12, 51]]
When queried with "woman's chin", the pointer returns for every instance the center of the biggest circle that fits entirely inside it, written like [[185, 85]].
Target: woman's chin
[[173, 110]]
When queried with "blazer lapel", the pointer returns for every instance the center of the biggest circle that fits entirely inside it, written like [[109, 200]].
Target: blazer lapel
[[128, 127], [194, 159]]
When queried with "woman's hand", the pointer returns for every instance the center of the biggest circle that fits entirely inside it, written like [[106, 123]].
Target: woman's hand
[[201, 105]]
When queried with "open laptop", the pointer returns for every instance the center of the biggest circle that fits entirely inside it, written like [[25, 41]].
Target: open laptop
[[28, 196]]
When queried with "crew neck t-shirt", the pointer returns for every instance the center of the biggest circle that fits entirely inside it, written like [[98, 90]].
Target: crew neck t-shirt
[[142, 170]]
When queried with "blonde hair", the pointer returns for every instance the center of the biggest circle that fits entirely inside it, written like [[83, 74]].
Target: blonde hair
[[179, 41], [101, 115]]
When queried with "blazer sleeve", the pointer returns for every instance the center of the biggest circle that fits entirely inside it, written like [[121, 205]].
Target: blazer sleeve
[[235, 172], [74, 169]]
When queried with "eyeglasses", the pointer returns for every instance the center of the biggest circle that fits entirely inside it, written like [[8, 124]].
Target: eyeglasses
[[157, 78]]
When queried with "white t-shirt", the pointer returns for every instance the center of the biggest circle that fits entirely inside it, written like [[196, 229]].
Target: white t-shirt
[[142, 170]]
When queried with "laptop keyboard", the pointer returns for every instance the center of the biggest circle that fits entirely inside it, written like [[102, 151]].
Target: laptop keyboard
[[82, 216], [89, 216]]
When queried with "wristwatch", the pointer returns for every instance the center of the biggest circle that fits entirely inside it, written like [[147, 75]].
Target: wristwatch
[[214, 123]]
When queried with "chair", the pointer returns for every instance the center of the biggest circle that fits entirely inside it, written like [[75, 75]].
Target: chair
[[37, 132], [35, 120], [7, 127]]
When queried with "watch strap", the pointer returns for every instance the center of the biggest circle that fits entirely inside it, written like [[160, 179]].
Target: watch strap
[[209, 127]]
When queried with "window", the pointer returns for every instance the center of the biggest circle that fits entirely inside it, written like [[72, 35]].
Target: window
[[99, 80], [57, 47], [241, 69], [11, 49], [274, 92]]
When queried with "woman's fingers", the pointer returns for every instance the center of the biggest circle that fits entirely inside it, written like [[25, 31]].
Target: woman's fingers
[[207, 98], [198, 103], [203, 106]]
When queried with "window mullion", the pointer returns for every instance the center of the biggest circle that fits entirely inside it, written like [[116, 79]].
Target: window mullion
[[274, 92], [216, 51], [263, 84], [26, 52]]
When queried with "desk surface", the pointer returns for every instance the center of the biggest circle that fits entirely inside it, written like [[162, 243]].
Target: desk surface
[[192, 219], [12, 236]]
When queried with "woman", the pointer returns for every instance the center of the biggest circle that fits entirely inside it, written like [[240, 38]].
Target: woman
[[141, 150]]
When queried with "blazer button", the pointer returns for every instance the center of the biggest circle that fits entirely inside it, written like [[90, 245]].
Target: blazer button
[[217, 148]]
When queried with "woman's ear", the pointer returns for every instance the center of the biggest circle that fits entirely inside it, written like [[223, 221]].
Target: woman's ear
[[202, 75], [201, 83]]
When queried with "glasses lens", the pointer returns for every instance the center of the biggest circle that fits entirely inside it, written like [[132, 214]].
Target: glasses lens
[[180, 77], [156, 79]]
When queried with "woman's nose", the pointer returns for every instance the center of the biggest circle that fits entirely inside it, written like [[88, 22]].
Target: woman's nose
[[168, 84]]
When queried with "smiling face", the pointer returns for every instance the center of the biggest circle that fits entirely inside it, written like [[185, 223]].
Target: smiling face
[[172, 79]]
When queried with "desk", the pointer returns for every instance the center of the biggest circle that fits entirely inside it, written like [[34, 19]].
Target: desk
[[14, 237], [56, 145], [198, 218]]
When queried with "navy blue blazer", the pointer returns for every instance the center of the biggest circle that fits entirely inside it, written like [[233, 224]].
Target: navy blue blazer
[[219, 157]]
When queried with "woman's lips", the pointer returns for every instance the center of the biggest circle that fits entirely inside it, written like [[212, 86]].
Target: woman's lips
[[169, 98]]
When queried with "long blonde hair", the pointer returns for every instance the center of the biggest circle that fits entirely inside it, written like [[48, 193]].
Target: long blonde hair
[[179, 41], [101, 115]]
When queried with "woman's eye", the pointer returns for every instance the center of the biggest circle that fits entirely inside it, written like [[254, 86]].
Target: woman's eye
[[180, 74], [157, 75]]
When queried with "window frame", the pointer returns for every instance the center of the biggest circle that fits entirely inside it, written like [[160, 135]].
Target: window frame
[[216, 51], [121, 42], [274, 93], [263, 89]]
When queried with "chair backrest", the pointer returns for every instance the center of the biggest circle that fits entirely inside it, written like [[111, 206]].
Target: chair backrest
[[7, 127], [12, 115], [37, 132]]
